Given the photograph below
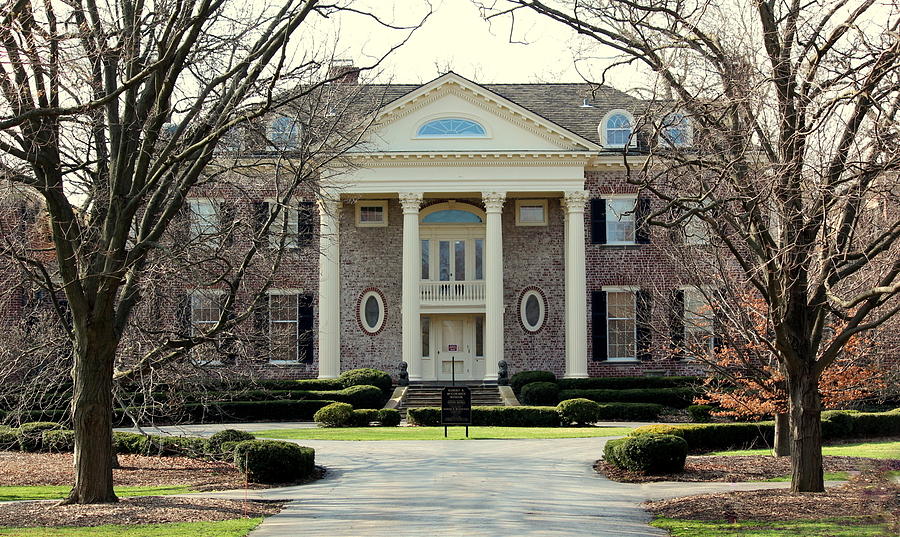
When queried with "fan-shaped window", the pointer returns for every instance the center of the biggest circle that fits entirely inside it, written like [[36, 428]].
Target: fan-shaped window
[[451, 127], [451, 216], [617, 130], [284, 133], [675, 131]]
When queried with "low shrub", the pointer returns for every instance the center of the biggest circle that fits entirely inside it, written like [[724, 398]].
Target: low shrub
[[522, 378], [700, 413], [389, 417], [334, 415], [9, 438], [217, 440], [363, 417], [491, 416], [361, 396], [367, 377], [628, 411], [872, 424], [648, 453], [673, 397], [716, 436], [131, 443], [255, 411], [577, 411], [304, 384], [627, 383], [837, 423], [58, 441], [31, 434], [273, 461], [177, 446], [540, 394]]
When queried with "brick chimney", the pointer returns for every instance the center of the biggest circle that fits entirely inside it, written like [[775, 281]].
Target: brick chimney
[[343, 72]]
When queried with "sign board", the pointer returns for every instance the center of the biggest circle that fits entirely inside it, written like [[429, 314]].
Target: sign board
[[456, 405], [452, 348]]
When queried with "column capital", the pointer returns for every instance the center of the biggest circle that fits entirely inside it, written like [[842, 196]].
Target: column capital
[[493, 201], [410, 202], [575, 200]]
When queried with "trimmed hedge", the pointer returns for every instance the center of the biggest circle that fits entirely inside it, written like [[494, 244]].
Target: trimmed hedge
[[673, 397], [716, 436], [58, 441], [627, 383], [648, 453], [334, 415], [9, 438], [701, 413], [363, 418], [367, 377], [273, 461], [522, 378], [491, 416], [389, 417], [629, 411], [540, 394], [303, 410], [31, 434], [577, 411], [217, 441]]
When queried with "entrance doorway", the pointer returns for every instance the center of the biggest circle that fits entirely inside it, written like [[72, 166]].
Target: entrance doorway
[[457, 345]]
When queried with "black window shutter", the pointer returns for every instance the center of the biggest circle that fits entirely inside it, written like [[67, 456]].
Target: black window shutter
[[305, 223], [642, 212], [598, 326], [676, 324], [598, 222], [305, 329], [183, 315], [643, 311], [260, 215], [716, 305]]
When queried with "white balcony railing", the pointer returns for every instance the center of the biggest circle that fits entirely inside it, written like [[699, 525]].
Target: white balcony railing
[[452, 293]]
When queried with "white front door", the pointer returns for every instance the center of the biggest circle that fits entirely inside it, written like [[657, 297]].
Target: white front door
[[454, 347]]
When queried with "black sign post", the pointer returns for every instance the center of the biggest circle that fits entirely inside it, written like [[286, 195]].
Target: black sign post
[[456, 407]]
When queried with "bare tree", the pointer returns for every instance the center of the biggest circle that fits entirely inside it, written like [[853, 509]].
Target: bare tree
[[112, 113], [774, 124]]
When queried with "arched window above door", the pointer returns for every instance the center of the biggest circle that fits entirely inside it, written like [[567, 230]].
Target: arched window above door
[[452, 213]]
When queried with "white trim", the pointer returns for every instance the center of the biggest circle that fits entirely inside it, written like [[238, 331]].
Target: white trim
[[601, 130], [531, 203], [362, 312], [542, 308], [452, 205], [212, 293], [610, 197], [372, 203], [285, 292], [623, 289]]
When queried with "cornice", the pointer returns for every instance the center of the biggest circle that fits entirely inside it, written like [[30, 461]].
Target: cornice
[[395, 159]]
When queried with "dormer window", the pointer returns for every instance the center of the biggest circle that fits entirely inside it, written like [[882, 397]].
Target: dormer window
[[284, 133], [616, 129], [675, 131], [451, 128]]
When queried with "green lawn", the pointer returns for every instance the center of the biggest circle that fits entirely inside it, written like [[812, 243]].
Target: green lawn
[[875, 450], [437, 433], [813, 528], [57, 492], [829, 476], [227, 528]]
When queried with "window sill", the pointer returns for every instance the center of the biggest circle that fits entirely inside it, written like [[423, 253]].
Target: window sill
[[284, 362], [623, 361]]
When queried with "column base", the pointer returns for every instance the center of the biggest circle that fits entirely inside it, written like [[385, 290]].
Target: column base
[[574, 376]]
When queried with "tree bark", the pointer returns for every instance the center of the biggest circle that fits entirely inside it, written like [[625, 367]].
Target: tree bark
[[782, 435], [92, 418], [806, 432]]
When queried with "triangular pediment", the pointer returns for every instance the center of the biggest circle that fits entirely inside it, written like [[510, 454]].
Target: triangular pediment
[[508, 125]]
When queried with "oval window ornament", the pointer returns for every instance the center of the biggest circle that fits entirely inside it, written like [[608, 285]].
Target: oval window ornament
[[532, 310], [371, 312]]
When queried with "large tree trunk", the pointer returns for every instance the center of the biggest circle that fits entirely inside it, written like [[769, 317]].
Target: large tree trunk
[[782, 435], [806, 432], [92, 417]]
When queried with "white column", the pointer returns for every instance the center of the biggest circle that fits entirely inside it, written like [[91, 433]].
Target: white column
[[493, 283], [576, 286], [329, 288], [412, 269]]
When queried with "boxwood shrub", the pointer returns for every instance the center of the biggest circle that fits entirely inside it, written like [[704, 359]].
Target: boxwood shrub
[[629, 411], [217, 440], [874, 424], [673, 397], [131, 443], [31, 434], [363, 417], [700, 413], [716, 436], [334, 415], [648, 453], [389, 417], [273, 461], [627, 383], [9, 438], [255, 410], [492, 416], [368, 377], [522, 378], [539, 394], [58, 441], [577, 411]]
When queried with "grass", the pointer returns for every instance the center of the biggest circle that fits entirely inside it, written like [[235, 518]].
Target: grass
[[874, 450], [437, 433], [846, 527], [57, 492], [829, 476], [226, 528]]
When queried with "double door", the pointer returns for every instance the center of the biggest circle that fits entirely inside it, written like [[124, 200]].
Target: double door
[[458, 344]]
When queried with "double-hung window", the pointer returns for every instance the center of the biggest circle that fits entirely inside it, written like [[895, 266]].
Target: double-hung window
[[621, 324], [290, 328], [620, 220], [698, 321], [205, 311], [205, 219]]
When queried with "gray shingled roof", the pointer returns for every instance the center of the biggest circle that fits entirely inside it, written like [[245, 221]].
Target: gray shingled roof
[[558, 103]]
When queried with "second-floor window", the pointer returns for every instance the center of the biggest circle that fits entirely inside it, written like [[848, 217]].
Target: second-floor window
[[205, 219]]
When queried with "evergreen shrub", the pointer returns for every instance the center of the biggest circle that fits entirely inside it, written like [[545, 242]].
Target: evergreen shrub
[[58, 441], [389, 417], [700, 413], [577, 411], [539, 394], [629, 411], [648, 453], [273, 461], [363, 417], [217, 440], [627, 383], [334, 415], [522, 378], [9, 438], [672, 397], [368, 377], [31, 434]]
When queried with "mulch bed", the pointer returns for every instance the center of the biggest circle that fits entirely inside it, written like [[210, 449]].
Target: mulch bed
[[869, 496], [143, 510], [742, 468], [23, 469]]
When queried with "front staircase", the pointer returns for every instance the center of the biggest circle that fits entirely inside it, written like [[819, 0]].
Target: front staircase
[[422, 395]]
